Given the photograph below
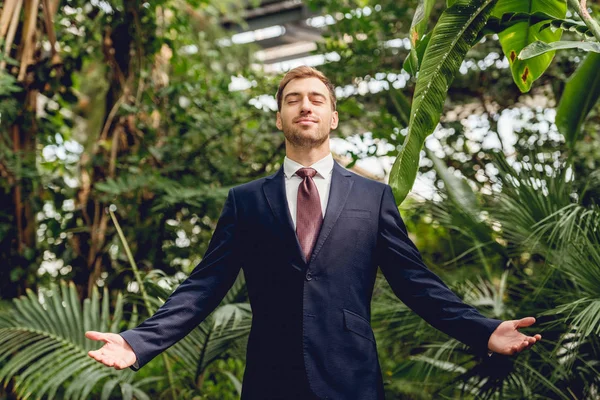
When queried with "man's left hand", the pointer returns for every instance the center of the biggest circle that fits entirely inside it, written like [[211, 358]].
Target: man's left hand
[[507, 339]]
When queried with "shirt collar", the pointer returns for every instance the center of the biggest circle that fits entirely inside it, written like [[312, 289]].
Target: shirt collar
[[323, 167]]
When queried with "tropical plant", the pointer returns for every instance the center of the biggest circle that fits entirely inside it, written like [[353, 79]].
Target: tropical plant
[[540, 47], [129, 105], [550, 243], [43, 349], [46, 332], [521, 34], [521, 26], [579, 97], [222, 335], [19, 29], [450, 40]]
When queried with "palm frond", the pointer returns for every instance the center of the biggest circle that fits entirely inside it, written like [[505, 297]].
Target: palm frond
[[224, 333], [529, 196], [485, 295], [43, 348]]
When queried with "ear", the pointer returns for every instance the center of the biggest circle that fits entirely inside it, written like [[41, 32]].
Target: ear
[[334, 120], [278, 122]]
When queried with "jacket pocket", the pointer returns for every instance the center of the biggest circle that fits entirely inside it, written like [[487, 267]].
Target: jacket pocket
[[355, 213], [357, 324]]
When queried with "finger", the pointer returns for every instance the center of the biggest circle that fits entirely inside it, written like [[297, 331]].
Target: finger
[[93, 335], [524, 322], [103, 359], [532, 339], [108, 361], [524, 345], [96, 355]]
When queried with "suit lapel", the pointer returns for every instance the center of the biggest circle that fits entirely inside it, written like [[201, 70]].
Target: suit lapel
[[274, 189], [341, 183]]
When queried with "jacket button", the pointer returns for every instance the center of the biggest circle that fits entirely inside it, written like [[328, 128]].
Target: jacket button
[[309, 276]]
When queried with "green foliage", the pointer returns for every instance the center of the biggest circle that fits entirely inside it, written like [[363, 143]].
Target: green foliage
[[138, 114], [499, 24], [413, 62], [568, 25], [517, 36], [538, 48], [44, 333], [44, 350], [550, 244], [466, 216], [418, 28], [8, 84], [222, 336], [579, 97], [451, 38], [573, 236]]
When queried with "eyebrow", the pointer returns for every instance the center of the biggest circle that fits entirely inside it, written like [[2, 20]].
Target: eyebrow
[[310, 94]]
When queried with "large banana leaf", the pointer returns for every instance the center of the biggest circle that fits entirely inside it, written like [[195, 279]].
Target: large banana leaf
[[450, 40], [581, 93], [518, 36], [43, 350]]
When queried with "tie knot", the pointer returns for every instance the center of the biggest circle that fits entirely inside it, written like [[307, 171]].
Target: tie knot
[[304, 172]]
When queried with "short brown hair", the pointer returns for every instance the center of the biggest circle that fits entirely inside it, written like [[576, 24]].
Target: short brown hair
[[305, 72]]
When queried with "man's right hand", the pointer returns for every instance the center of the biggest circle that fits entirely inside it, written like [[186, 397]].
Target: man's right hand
[[115, 353]]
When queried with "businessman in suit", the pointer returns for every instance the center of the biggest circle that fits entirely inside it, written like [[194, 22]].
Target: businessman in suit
[[310, 239]]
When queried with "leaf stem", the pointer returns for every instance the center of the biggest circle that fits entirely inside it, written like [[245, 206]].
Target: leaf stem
[[581, 9], [140, 282], [136, 271]]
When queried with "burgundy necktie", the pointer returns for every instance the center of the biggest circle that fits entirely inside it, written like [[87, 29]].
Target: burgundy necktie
[[308, 215]]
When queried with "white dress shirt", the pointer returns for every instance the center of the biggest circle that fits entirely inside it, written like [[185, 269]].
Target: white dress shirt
[[322, 179]]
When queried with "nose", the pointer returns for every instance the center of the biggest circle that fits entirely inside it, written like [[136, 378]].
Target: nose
[[306, 106]]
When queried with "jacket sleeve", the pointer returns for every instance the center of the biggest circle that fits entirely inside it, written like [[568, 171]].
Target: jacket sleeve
[[196, 297], [422, 290]]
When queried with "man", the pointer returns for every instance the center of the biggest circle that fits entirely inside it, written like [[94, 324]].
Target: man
[[309, 239]]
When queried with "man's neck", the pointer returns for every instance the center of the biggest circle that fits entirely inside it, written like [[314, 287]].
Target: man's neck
[[307, 157]]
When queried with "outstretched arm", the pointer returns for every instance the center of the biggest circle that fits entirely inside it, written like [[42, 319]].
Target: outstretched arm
[[189, 304], [426, 294]]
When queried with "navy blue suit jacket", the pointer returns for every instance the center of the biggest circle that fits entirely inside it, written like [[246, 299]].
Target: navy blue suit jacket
[[310, 316]]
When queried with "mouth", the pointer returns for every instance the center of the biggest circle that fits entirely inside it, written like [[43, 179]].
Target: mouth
[[306, 121]]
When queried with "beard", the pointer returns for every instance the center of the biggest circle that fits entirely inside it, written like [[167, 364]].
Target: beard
[[304, 138]]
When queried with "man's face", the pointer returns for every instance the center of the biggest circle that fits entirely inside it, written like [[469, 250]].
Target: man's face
[[306, 115]]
